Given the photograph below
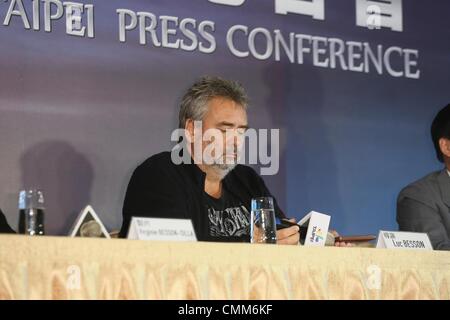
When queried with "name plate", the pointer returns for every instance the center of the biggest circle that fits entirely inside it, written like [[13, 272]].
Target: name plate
[[318, 224], [159, 229], [403, 240]]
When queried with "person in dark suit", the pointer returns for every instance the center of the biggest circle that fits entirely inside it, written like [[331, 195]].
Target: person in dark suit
[[4, 227], [424, 206]]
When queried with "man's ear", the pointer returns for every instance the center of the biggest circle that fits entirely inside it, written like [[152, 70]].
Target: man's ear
[[189, 130], [444, 145]]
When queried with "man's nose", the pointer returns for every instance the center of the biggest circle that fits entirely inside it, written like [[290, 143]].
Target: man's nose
[[231, 142]]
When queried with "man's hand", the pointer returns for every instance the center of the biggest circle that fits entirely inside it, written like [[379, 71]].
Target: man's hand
[[289, 235], [342, 243]]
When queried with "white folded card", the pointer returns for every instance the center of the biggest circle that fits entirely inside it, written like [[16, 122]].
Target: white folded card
[[318, 224], [159, 229], [403, 240], [88, 224]]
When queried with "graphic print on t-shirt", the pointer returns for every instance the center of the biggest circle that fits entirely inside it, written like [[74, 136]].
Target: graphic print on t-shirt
[[234, 221]]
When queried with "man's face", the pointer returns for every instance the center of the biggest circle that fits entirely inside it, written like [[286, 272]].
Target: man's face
[[224, 126], [444, 144]]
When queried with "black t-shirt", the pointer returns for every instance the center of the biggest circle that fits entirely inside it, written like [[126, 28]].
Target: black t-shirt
[[159, 188], [228, 218]]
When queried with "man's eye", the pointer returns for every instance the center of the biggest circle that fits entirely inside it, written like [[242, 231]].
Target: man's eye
[[239, 131]]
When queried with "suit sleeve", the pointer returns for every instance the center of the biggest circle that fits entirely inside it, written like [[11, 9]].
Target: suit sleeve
[[416, 216]]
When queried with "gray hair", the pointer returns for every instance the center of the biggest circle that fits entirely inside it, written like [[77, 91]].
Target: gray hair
[[194, 104]]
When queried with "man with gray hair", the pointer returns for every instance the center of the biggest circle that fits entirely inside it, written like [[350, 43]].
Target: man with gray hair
[[209, 187]]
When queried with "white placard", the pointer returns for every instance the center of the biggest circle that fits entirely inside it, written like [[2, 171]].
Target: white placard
[[159, 229], [318, 224], [403, 240], [88, 225]]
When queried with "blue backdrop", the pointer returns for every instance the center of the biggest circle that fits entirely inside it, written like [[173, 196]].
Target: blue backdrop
[[78, 114]]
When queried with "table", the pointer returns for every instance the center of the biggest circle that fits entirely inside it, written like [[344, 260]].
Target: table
[[81, 268]]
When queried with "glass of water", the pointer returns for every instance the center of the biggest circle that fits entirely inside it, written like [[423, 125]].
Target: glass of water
[[31, 212], [263, 226]]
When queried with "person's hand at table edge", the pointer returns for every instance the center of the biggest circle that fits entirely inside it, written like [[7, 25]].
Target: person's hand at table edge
[[340, 243], [289, 235]]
